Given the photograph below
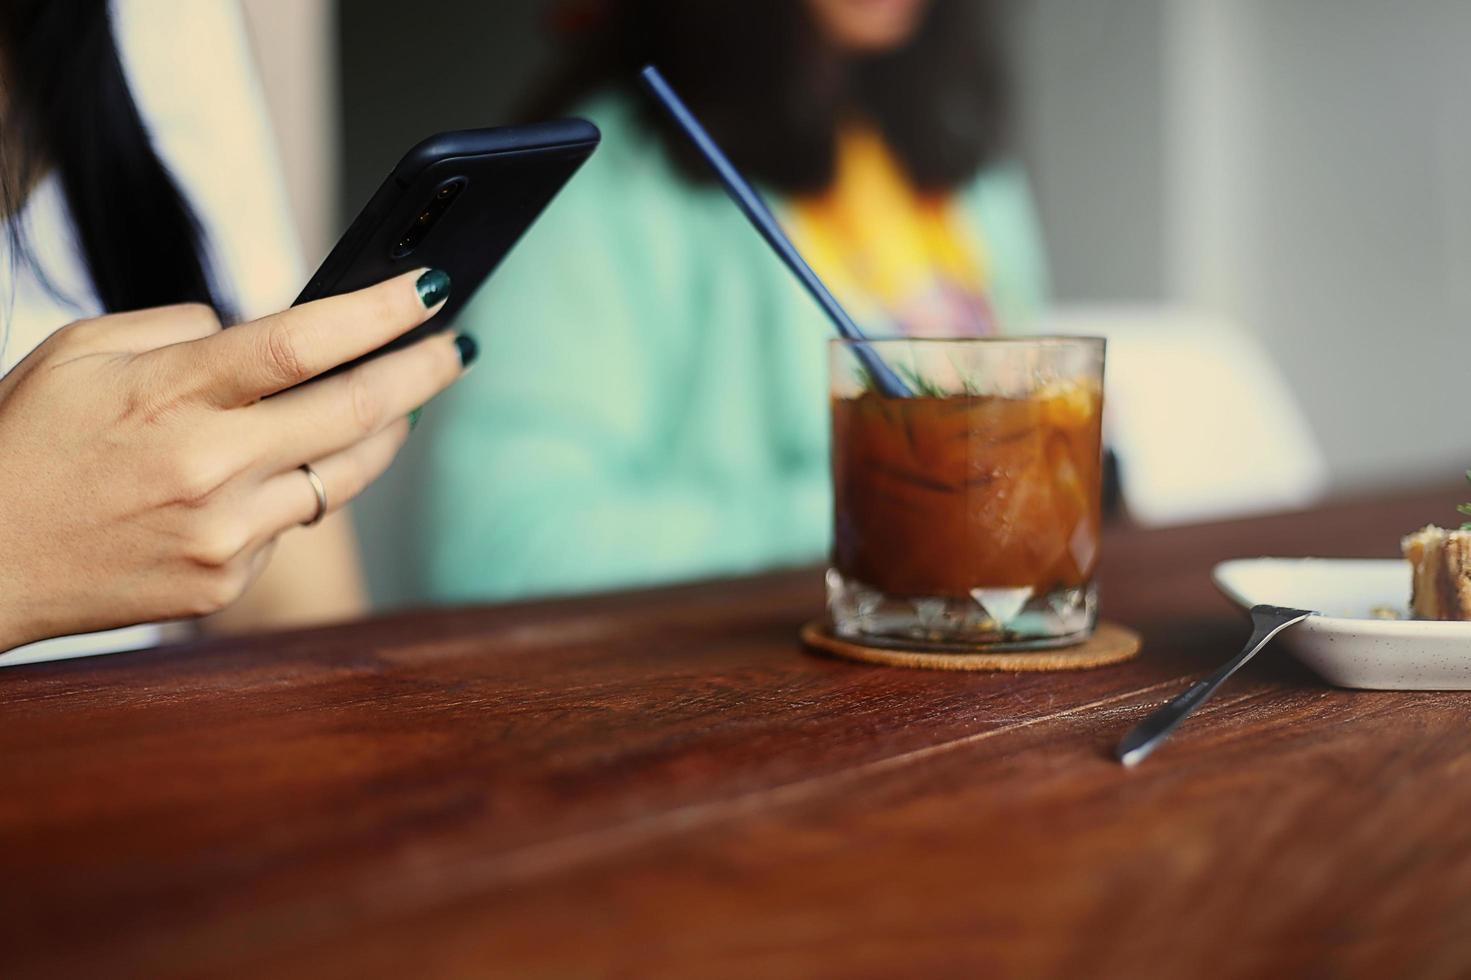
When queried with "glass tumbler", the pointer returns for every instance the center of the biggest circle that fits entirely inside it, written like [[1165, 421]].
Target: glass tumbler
[[966, 514]]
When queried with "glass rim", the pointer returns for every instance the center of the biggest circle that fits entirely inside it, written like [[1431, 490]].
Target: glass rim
[[1037, 340]]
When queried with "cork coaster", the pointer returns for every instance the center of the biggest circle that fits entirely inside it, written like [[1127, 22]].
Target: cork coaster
[[1109, 644]]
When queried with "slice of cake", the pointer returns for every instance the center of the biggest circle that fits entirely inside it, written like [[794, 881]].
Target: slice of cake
[[1441, 561]]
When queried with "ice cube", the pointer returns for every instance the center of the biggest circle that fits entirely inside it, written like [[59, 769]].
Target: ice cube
[[1002, 605]]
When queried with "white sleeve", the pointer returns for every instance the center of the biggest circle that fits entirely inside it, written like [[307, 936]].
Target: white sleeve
[[193, 76]]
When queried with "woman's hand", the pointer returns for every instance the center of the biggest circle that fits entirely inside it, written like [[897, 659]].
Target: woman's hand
[[144, 474]]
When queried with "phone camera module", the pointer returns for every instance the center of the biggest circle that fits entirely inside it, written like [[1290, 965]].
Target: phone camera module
[[427, 217]]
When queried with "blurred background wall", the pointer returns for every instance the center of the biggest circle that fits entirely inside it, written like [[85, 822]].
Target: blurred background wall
[[1301, 166]]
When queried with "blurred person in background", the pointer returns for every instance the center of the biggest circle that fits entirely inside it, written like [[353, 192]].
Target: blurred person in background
[[143, 476], [656, 405]]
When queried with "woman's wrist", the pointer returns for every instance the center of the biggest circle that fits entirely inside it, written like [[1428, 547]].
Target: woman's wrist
[[22, 619], [14, 631], [17, 627]]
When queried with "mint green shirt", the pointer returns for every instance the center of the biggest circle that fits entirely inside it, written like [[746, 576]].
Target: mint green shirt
[[650, 402]]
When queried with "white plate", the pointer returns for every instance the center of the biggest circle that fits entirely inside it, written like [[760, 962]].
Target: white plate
[[1346, 645]]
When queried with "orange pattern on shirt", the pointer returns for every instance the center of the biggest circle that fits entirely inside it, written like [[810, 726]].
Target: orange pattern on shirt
[[902, 261]]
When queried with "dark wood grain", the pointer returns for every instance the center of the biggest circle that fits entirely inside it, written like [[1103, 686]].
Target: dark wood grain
[[663, 783]]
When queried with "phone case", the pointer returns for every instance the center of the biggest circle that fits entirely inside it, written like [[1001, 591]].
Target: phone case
[[500, 181]]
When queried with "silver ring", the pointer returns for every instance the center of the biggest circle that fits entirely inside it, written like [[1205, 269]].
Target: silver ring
[[321, 493]]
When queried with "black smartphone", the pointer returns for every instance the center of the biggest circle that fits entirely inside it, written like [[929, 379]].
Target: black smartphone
[[459, 202]]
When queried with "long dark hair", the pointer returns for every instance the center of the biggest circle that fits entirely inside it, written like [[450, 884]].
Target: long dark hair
[[753, 73], [69, 109]]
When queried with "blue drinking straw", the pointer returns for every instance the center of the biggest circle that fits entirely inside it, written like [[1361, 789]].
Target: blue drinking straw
[[760, 215]]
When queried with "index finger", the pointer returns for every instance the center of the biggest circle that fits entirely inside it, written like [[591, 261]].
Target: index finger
[[246, 363]]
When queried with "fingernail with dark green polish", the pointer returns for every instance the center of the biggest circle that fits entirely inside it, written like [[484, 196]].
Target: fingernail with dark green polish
[[414, 417], [469, 350], [433, 287]]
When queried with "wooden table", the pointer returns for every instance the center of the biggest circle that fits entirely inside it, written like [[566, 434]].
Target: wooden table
[[663, 783]]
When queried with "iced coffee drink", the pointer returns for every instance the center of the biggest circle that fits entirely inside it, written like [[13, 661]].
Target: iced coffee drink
[[966, 514]]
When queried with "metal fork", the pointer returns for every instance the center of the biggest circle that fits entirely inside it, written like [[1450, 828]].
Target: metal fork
[[1267, 622]]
